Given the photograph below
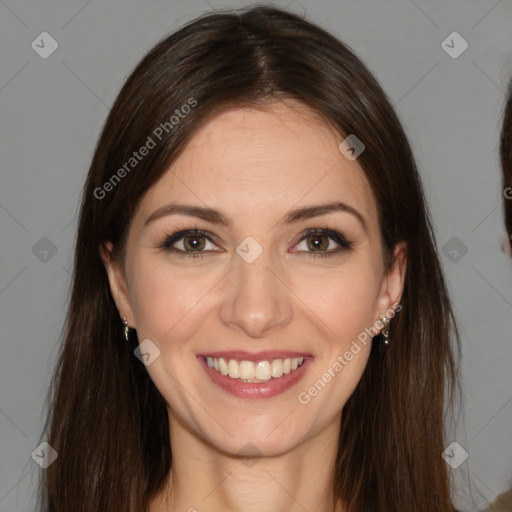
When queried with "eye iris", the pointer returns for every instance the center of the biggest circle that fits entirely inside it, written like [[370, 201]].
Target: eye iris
[[317, 242], [197, 242]]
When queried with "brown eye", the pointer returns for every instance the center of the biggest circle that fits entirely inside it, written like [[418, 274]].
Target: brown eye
[[194, 242], [190, 242], [319, 242]]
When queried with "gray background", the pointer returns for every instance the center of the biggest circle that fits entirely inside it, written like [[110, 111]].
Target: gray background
[[52, 111]]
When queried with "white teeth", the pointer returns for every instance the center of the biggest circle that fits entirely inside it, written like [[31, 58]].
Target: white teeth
[[277, 368], [234, 369], [263, 370], [224, 369], [247, 371]]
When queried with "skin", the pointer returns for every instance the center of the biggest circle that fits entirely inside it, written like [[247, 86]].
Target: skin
[[255, 166]]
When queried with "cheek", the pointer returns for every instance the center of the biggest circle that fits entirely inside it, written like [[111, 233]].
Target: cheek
[[166, 307], [344, 299], [164, 300]]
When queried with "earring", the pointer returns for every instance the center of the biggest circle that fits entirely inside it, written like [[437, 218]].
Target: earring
[[385, 329], [126, 329]]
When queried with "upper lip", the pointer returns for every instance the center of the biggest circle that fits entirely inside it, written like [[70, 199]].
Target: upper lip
[[265, 355]]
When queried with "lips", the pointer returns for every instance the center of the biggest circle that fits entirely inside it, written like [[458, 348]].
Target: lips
[[255, 375]]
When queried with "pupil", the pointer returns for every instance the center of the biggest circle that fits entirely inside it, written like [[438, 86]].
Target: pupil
[[317, 242], [194, 242]]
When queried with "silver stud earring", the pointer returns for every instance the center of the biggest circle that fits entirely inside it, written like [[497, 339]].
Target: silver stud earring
[[385, 329], [126, 328]]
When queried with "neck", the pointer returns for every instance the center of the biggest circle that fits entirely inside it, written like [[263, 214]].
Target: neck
[[204, 478]]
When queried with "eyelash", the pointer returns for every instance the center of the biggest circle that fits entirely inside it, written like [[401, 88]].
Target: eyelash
[[168, 240]]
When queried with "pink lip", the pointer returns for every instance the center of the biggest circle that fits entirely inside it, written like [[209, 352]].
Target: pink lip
[[267, 389]]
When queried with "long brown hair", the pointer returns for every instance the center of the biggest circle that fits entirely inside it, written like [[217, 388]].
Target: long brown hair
[[106, 419], [506, 160]]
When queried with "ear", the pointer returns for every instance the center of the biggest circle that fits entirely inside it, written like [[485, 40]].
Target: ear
[[117, 280], [393, 283]]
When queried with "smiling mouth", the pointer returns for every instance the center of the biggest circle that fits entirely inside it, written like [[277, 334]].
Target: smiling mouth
[[254, 372]]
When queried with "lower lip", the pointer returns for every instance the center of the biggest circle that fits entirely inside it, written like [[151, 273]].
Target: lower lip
[[267, 389]]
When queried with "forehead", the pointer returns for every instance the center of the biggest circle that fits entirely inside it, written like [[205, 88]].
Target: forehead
[[252, 161]]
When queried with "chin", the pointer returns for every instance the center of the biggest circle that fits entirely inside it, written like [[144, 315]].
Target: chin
[[268, 437]]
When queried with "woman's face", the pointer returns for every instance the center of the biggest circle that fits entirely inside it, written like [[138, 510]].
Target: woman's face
[[256, 290]]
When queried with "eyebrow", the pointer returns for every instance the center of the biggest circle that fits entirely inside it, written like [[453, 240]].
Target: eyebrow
[[220, 218]]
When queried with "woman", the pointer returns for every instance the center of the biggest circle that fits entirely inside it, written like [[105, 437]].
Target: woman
[[506, 165], [504, 500], [259, 319]]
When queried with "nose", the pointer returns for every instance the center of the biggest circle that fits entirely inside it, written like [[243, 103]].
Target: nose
[[257, 301]]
